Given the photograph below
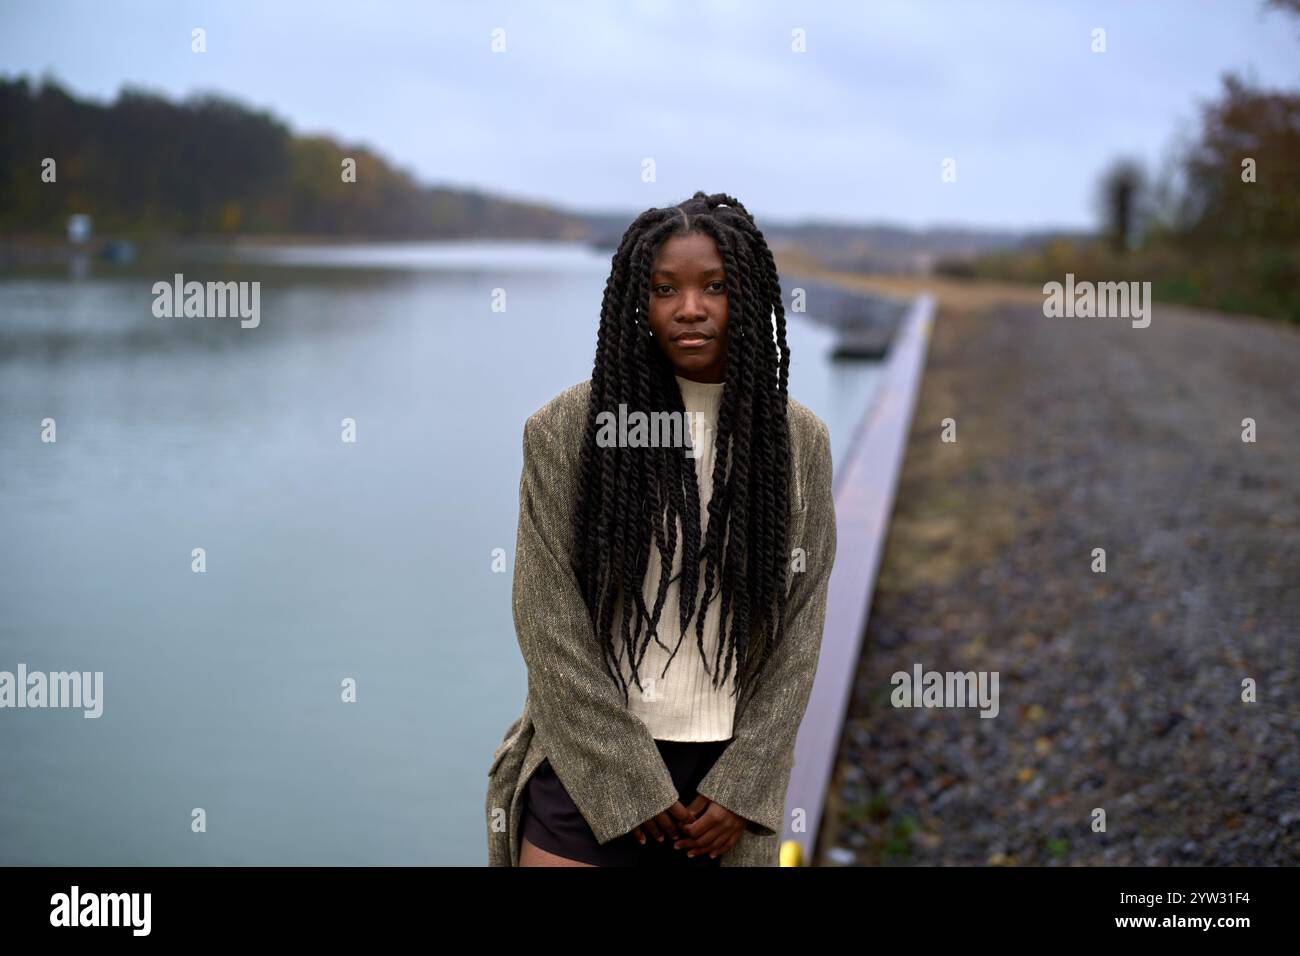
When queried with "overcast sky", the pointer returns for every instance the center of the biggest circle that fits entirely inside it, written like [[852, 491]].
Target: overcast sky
[[854, 129]]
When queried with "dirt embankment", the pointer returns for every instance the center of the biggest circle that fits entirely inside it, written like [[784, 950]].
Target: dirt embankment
[[1119, 690]]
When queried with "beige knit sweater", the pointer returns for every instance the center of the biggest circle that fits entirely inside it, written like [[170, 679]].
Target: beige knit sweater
[[681, 703]]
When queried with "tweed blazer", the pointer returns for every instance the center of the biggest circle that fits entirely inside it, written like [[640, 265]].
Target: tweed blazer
[[573, 713]]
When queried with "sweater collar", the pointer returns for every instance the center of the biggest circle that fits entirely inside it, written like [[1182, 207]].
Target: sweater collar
[[699, 388]]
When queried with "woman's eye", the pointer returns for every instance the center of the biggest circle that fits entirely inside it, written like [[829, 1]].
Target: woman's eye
[[720, 285]]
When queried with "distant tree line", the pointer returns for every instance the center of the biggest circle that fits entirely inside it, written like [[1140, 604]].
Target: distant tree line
[[1219, 228], [144, 166]]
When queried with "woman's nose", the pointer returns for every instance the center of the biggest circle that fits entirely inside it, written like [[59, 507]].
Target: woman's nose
[[693, 305]]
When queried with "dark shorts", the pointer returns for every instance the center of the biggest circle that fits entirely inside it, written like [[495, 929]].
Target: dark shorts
[[552, 822]]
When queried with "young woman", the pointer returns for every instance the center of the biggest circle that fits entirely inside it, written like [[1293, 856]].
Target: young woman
[[628, 753]]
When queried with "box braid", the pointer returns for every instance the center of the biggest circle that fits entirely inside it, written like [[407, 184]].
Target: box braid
[[631, 496]]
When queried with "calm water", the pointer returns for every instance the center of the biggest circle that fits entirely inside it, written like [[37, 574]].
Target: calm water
[[325, 560]]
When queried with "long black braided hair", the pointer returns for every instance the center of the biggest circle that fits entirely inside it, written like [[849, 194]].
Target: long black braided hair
[[627, 496]]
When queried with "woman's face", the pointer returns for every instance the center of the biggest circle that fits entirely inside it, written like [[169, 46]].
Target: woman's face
[[688, 306]]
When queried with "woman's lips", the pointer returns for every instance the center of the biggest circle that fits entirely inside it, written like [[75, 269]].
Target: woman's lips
[[693, 340]]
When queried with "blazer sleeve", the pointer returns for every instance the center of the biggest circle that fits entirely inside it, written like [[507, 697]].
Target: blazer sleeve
[[602, 752], [751, 776]]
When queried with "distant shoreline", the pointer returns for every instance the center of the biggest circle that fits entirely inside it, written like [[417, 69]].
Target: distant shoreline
[[43, 249]]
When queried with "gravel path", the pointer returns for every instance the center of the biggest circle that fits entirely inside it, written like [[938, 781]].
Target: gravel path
[[1120, 690]]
